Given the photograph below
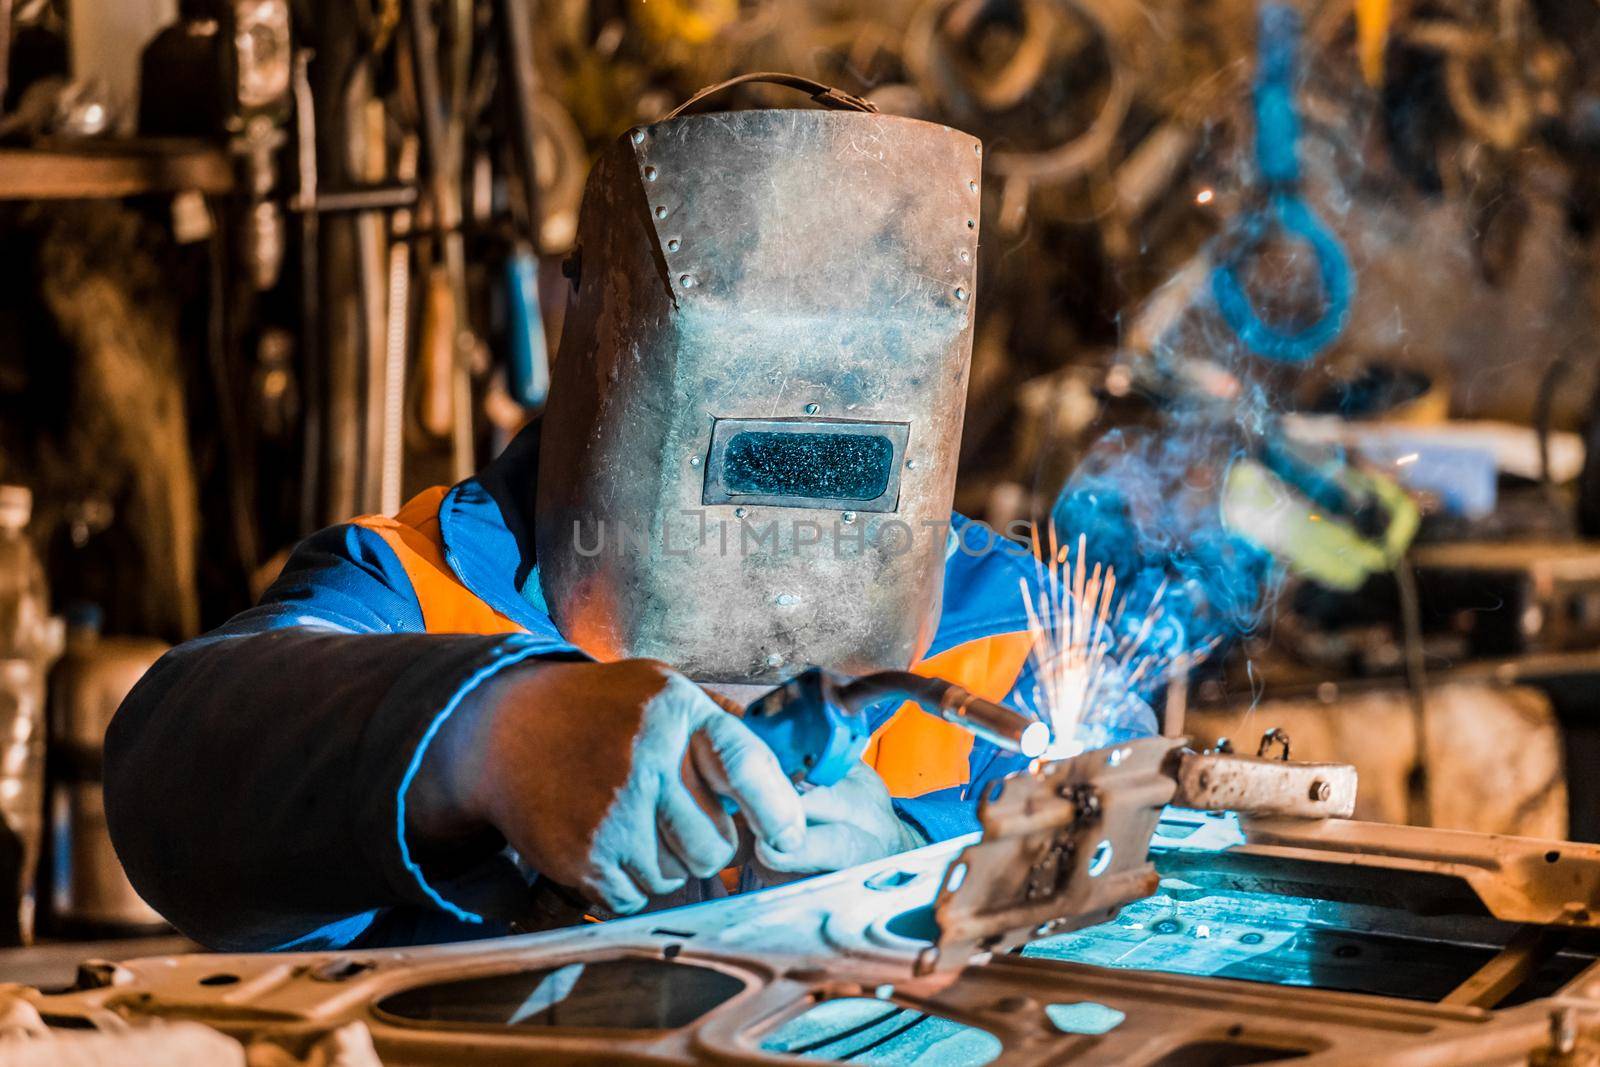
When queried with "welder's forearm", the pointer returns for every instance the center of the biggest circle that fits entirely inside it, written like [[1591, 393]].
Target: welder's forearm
[[253, 782], [447, 800]]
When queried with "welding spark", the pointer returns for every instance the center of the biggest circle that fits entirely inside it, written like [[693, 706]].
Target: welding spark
[[1070, 639], [1088, 660], [1091, 659]]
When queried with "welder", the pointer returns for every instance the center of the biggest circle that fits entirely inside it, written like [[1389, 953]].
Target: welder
[[745, 468]]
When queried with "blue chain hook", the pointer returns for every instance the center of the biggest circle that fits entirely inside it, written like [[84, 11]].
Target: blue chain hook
[[1277, 134]]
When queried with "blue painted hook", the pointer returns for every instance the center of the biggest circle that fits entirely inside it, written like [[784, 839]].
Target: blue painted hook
[[1277, 134]]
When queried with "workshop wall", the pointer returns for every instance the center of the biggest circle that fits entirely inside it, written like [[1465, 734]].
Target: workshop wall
[[1118, 138]]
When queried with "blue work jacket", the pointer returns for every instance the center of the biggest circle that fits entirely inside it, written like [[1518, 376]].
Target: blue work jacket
[[256, 776]]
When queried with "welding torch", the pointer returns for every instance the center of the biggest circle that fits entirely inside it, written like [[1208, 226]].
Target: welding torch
[[816, 722]]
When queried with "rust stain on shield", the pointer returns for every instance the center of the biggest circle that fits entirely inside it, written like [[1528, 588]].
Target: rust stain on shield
[[748, 458]]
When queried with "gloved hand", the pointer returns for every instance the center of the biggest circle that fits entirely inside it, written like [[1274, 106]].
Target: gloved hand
[[852, 821], [606, 777], [1268, 511]]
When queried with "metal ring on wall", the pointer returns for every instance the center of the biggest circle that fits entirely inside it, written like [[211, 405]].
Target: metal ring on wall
[[935, 73], [1504, 122]]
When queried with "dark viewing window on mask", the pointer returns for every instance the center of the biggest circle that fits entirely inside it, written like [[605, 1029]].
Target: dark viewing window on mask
[[806, 463], [829, 465]]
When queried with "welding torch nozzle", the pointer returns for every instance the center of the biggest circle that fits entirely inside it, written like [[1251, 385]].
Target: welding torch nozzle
[[995, 723]]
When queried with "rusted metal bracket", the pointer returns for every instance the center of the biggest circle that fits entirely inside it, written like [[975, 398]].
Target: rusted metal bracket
[[1067, 845], [1062, 848], [1227, 781]]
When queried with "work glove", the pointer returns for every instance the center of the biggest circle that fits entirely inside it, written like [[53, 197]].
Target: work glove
[[1325, 548], [852, 821], [609, 778]]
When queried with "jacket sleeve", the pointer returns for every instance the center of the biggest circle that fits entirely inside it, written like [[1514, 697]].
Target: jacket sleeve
[[255, 778]]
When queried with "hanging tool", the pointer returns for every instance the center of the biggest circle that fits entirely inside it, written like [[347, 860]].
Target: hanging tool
[[397, 320], [436, 352], [1373, 18], [369, 156], [816, 722], [684, 23], [527, 356], [443, 143], [1283, 210], [310, 303], [1491, 76], [5, 47]]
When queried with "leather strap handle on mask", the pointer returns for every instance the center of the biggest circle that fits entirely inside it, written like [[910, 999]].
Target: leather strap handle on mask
[[826, 95]]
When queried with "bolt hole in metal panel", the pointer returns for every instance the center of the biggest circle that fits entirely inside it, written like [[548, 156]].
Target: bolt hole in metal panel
[[1084, 1017], [890, 880], [616, 994], [879, 1032], [915, 924]]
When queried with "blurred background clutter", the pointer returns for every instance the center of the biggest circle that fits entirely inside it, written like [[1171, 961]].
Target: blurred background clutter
[[270, 264]]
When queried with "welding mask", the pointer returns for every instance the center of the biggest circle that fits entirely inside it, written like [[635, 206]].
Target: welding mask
[[749, 451]]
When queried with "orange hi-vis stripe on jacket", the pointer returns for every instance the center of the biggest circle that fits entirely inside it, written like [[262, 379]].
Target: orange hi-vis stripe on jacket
[[448, 606], [913, 752]]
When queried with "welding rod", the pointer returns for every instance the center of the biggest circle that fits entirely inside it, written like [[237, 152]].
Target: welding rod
[[995, 723]]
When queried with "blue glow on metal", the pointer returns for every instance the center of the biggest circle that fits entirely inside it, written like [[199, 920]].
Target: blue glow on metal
[[1196, 831], [1205, 936]]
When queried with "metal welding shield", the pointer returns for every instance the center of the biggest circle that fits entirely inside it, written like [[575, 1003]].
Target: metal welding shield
[[749, 451]]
